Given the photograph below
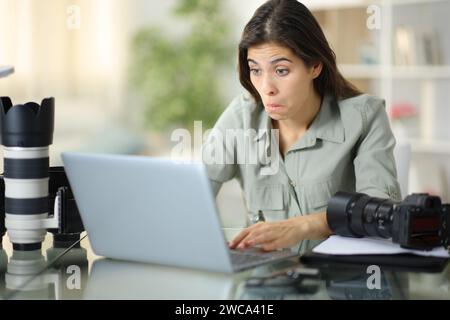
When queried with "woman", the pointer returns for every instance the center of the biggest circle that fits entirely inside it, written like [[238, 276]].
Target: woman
[[330, 136]]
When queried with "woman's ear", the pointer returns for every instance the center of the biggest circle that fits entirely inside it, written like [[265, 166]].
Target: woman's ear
[[316, 69]]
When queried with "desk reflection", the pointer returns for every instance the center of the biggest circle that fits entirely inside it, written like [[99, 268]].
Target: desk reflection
[[113, 279], [76, 273], [30, 275]]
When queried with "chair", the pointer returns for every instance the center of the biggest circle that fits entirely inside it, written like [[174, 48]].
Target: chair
[[402, 155]]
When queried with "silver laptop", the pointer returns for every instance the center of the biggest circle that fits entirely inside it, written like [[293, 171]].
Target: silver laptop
[[154, 210]]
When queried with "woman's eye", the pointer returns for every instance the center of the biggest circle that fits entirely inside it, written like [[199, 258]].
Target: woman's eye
[[255, 72], [282, 72]]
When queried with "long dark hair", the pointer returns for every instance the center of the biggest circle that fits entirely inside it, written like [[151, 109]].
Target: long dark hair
[[289, 23]]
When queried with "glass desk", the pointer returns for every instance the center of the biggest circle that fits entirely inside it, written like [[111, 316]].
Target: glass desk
[[74, 272]]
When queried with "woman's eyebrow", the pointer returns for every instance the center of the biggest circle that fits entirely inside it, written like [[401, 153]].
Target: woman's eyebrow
[[279, 60], [273, 61]]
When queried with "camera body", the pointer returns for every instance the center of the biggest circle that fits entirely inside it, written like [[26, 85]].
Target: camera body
[[420, 221]]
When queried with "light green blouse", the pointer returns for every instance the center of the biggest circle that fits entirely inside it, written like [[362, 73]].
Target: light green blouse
[[348, 147]]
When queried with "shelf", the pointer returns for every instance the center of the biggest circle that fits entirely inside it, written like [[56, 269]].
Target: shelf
[[412, 2], [316, 5], [358, 71], [421, 72], [435, 147]]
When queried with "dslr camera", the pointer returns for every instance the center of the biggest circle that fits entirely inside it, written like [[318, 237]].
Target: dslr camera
[[420, 221]]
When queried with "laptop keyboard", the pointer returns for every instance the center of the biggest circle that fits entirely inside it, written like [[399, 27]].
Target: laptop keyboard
[[238, 258], [255, 256]]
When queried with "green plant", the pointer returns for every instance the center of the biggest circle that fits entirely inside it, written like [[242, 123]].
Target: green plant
[[180, 79]]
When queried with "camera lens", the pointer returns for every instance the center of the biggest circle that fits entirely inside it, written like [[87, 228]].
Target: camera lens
[[27, 132], [339, 223], [359, 215]]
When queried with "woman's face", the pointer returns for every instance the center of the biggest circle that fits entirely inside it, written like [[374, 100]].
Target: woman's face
[[282, 80]]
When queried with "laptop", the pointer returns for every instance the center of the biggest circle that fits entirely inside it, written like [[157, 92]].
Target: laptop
[[154, 210]]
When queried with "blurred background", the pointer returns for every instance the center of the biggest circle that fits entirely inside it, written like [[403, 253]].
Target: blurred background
[[125, 74]]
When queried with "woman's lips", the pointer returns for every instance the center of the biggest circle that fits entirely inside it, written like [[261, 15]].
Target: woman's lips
[[273, 107]]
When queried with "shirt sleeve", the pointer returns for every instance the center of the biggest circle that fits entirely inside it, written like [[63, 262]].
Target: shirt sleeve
[[218, 154], [374, 163]]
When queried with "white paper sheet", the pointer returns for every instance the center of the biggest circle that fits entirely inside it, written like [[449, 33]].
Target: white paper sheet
[[351, 246]]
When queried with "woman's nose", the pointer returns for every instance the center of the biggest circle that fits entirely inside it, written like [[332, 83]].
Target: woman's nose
[[268, 87]]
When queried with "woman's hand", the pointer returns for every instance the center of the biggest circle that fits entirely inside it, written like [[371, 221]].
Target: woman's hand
[[283, 234]]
